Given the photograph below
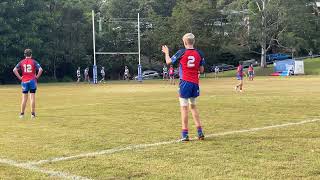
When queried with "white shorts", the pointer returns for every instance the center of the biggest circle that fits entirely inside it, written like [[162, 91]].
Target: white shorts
[[187, 101]]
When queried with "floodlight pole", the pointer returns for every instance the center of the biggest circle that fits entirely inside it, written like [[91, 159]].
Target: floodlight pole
[[95, 76], [139, 52]]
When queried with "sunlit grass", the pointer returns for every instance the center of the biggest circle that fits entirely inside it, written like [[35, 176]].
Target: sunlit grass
[[82, 118]]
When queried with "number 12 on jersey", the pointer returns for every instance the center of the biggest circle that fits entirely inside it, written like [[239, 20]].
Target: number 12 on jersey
[[27, 68]]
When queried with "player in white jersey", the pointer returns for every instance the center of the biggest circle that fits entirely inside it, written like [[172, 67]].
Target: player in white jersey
[[165, 72], [216, 72], [126, 73], [86, 75], [78, 75], [103, 74]]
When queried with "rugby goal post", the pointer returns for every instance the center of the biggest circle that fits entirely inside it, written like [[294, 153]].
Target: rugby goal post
[[95, 71]]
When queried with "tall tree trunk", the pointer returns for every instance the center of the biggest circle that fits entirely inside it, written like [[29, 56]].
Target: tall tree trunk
[[263, 42], [263, 56]]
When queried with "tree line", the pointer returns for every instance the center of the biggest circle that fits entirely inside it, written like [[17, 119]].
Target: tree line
[[60, 32]]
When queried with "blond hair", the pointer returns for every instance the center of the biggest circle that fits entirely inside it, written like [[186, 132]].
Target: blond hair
[[189, 38]]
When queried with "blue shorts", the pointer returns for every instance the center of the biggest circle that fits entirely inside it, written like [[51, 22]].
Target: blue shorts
[[188, 89], [239, 77], [29, 86], [250, 73]]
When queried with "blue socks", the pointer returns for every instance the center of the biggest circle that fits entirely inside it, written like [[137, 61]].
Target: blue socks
[[185, 133], [199, 130]]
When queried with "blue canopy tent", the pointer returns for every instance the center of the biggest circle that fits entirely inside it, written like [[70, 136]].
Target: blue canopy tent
[[284, 67]]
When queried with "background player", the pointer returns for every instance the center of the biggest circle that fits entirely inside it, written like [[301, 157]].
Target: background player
[[164, 72], [103, 74], [28, 66], [216, 72], [171, 75], [86, 75], [251, 72], [126, 75], [240, 74], [78, 75], [191, 62]]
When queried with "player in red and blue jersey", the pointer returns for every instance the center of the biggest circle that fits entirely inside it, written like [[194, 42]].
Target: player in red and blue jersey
[[171, 75], [240, 74], [251, 72], [28, 67], [191, 61]]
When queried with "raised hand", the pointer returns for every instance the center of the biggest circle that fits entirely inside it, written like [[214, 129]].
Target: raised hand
[[165, 49]]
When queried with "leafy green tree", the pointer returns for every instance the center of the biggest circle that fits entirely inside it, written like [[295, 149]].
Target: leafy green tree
[[269, 23]]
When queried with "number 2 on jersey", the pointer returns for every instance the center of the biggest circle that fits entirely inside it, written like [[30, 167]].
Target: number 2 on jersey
[[191, 60], [27, 68]]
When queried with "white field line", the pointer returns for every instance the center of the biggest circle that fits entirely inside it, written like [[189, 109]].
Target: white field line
[[144, 146], [30, 167]]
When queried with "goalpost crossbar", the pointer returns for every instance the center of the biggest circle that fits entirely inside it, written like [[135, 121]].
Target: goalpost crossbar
[[95, 79]]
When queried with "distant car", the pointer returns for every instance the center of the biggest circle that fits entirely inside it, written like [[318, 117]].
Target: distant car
[[222, 67], [278, 56], [149, 74], [247, 63]]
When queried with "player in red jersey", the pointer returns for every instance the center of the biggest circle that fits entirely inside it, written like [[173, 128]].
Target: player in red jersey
[[240, 74], [251, 72], [171, 75], [191, 61], [28, 67]]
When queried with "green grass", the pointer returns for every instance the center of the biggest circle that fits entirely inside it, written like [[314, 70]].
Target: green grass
[[74, 119], [312, 66]]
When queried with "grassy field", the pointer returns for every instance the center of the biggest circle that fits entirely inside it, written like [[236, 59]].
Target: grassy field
[[312, 66], [114, 119]]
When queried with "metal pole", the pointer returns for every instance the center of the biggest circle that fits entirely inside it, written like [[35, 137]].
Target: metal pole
[[139, 52], [139, 48], [94, 39], [95, 80]]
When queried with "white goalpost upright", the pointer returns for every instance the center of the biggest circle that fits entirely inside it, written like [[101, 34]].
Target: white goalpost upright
[[95, 72]]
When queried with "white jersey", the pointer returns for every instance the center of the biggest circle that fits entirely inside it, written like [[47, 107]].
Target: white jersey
[[102, 72], [78, 73], [86, 72], [165, 70], [126, 71], [216, 70]]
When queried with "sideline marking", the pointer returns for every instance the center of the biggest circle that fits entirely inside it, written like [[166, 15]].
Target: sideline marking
[[31, 167], [143, 146]]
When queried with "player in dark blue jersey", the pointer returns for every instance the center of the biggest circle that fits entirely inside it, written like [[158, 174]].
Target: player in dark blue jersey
[[191, 61]]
